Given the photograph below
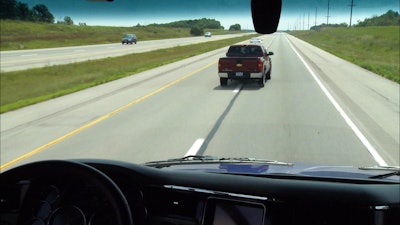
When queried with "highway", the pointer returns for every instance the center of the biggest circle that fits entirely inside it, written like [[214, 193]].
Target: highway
[[26, 59], [316, 108]]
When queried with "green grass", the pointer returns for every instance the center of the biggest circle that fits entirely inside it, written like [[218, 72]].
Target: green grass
[[17, 35], [22, 88], [373, 48]]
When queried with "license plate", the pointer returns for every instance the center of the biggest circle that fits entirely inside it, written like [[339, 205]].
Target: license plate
[[239, 74]]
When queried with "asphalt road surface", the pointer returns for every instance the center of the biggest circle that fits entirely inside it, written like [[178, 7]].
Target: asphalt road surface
[[317, 108], [26, 59]]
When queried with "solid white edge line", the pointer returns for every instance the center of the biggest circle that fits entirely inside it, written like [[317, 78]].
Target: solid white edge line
[[349, 122], [195, 147]]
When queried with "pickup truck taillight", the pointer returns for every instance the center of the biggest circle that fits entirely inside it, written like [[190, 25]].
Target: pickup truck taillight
[[260, 65]]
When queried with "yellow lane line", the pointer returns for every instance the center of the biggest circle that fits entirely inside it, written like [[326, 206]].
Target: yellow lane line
[[98, 120]]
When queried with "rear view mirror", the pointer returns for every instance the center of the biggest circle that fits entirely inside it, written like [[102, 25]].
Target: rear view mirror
[[266, 15]]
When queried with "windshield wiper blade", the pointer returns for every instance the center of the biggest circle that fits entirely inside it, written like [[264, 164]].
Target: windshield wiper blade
[[395, 171], [196, 157], [382, 176], [386, 168], [189, 158], [214, 159], [254, 160]]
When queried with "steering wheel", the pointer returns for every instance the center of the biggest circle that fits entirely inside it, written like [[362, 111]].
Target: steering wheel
[[78, 171]]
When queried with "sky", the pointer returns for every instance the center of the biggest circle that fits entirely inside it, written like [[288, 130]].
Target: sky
[[295, 14]]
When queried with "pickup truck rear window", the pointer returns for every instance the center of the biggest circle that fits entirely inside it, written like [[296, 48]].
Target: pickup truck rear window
[[245, 51]]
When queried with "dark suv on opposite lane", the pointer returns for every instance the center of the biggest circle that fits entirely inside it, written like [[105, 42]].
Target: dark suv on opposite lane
[[129, 39]]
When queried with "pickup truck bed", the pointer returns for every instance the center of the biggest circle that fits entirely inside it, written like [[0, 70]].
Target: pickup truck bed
[[245, 62]]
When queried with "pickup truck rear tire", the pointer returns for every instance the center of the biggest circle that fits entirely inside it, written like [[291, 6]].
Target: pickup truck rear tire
[[223, 81], [269, 73], [261, 81]]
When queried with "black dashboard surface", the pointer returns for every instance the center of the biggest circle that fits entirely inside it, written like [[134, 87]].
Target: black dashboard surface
[[168, 197]]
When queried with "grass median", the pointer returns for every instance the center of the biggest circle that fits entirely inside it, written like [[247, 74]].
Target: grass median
[[373, 48], [23, 88]]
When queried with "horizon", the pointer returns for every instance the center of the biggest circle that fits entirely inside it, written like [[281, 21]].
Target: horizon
[[294, 14]]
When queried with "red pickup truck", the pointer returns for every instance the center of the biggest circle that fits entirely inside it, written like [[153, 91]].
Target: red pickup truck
[[245, 62]]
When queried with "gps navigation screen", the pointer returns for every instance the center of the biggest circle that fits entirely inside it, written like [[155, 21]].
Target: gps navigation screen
[[227, 212]]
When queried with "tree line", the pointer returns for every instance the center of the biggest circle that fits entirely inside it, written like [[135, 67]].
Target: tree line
[[197, 26], [390, 18], [14, 10], [323, 25], [203, 23]]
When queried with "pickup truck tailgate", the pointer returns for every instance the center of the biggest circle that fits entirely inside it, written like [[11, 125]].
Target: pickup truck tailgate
[[231, 64]]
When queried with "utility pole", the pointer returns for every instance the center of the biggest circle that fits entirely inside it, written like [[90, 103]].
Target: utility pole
[[299, 23], [351, 10], [316, 12], [308, 21], [327, 16]]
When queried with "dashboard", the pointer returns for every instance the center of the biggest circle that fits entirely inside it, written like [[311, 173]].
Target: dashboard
[[55, 192]]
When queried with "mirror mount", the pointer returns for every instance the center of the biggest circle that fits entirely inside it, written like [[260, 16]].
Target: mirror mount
[[266, 15]]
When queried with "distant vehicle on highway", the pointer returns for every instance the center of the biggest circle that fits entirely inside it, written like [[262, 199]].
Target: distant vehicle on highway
[[207, 34], [129, 39], [256, 40]]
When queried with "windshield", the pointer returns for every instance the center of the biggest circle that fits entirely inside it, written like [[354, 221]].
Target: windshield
[[329, 94]]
